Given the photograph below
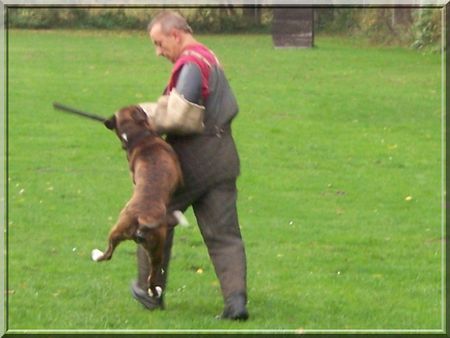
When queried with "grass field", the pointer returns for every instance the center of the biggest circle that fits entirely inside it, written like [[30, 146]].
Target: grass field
[[340, 197]]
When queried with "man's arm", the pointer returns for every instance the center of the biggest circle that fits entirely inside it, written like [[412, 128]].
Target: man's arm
[[180, 112], [189, 83]]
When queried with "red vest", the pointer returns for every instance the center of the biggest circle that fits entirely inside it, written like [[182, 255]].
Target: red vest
[[202, 57]]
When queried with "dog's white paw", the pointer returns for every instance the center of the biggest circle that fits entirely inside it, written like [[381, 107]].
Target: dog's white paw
[[96, 254], [158, 292], [182, 220]]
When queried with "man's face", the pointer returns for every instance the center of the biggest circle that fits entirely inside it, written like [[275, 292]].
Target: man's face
[[167, 45]]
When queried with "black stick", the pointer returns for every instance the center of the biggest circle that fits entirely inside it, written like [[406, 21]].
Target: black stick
[[59, 106]]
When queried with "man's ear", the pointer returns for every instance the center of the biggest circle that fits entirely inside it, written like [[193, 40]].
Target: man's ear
[[111, 123], [176, 34]]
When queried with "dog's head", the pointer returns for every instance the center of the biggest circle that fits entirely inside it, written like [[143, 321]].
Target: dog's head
[[129, 122]]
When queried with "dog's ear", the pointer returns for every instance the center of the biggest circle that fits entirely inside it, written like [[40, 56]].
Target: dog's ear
[[111, 123], [139, 115]]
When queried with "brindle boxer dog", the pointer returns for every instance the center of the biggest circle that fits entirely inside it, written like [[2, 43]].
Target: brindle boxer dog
[[156, 174]]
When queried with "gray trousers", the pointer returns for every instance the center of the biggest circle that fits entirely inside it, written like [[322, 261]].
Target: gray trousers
[[216, 214]]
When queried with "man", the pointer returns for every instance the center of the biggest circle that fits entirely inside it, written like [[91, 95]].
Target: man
[[195, 113]]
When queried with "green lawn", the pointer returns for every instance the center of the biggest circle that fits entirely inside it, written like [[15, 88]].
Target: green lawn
[[340, 197]]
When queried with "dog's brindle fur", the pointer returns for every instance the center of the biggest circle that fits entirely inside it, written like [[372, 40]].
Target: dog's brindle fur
[[156, 174]]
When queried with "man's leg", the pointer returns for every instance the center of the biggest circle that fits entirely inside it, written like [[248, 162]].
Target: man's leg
[[181, 202], [140, 286], [217, 217]]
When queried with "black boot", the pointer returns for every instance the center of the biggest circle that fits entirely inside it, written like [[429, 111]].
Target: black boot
[[142, 296], [235, 307], [139, 288]]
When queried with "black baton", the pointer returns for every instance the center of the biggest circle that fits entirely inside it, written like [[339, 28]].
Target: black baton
[[62, 107]]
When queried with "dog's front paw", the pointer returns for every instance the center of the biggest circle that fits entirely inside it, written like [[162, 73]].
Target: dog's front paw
[[96, 255], [158, 292]]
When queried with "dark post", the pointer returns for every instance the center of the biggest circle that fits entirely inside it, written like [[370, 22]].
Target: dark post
[[293, 27]]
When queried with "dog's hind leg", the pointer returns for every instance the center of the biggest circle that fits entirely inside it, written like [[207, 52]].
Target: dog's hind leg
[[114, 241], [155, 250], [123, 230]]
